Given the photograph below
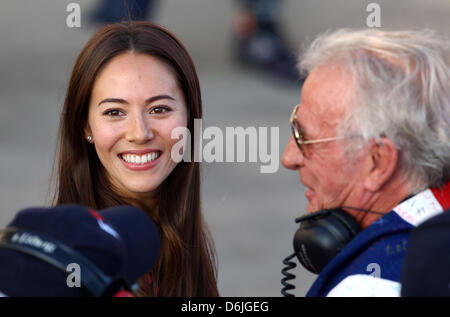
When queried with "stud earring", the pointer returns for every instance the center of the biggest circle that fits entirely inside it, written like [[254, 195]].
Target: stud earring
[[89, 138]]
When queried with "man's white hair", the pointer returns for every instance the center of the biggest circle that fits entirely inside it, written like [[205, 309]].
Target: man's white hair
[[402, 82]]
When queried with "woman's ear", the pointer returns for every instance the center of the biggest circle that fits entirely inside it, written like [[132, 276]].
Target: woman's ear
[[87, 131], [384, 163]]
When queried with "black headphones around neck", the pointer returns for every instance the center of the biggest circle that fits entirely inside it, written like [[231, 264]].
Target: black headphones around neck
[[320, 237]]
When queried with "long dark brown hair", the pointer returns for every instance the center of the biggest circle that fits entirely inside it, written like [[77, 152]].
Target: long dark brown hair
[[186, 265]]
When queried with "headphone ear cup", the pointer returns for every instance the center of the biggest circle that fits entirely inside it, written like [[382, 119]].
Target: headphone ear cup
[[320, 239], [348, 221]]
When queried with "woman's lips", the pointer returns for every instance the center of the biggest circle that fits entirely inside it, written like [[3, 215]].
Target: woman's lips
[[134, 166]]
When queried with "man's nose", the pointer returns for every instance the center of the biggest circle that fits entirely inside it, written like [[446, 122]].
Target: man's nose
[[139, 130], [292, 156]]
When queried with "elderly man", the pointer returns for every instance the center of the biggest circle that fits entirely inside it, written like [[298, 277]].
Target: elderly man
[[371, 138]]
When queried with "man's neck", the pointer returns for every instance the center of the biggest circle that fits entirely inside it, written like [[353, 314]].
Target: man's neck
[[384, 200]]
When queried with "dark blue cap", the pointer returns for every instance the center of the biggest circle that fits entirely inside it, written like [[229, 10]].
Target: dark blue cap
[[426, 270], [120, 241]]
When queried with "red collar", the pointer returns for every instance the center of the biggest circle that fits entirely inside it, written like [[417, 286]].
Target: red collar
[[442, 194]]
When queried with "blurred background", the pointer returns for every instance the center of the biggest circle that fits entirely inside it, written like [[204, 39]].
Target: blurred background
[[251, 215]]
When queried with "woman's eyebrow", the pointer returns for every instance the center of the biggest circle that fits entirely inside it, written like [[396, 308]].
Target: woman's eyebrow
[[123, 101]]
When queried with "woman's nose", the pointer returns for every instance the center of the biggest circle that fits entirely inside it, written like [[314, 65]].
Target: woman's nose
[[139, 130]]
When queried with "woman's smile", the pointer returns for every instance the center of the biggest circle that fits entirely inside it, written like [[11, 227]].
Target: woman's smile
[[140, 162]]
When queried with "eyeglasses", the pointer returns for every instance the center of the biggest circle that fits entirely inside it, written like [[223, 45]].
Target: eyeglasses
[[299, 134]]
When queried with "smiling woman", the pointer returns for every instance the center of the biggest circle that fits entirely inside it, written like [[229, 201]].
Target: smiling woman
[[131, 85], [131, 132]]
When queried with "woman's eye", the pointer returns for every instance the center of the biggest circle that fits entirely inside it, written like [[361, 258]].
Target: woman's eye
[[113, 113], [159, 110]]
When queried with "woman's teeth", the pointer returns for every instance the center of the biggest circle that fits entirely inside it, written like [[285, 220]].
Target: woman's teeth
[[140, 159]]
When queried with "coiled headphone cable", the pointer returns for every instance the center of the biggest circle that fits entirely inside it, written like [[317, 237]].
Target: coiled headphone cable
[[289, 265]]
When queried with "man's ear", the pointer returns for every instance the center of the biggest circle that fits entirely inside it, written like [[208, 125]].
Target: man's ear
[[383, 164]]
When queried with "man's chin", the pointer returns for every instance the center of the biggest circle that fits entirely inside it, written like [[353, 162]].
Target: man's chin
[[310, 207], [311, 197]]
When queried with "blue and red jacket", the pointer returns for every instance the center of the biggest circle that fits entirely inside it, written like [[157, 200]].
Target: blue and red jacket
[[383, 244]]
